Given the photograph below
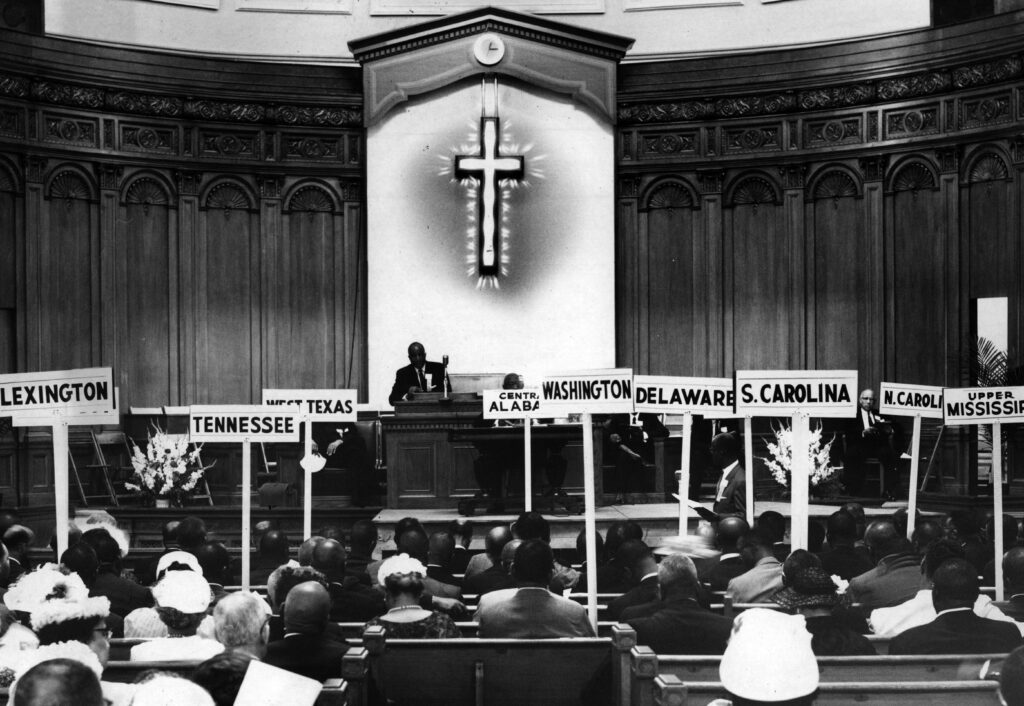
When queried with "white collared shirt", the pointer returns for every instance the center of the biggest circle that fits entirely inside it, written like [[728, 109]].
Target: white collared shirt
[[722, 481]]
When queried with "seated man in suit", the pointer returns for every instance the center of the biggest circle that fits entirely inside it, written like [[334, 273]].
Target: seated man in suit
[[680, 625], [957, 629], [842, 558], [869, 435], [1013, 580], [531, 610], [763, 577], [420, 375], [305, 648], [496, 575], [351, 601], [641, 571], [897, 574], [719, 572]]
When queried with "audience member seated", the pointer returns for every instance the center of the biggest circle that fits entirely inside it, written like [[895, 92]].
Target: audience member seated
[[1013, 580], [351, 601], [964, 526], [13, 635], [920, 610], [496, 537], [306, 649], [812, 593], [125, 595], [789, 677], [842, 559], [533, 525], [163, 688], [896, 577], [17, 539], [729, 564], [763, 577], [1011, 539], [58, 681], [773, 524], [495, 576], [191, 534], [956, 628], [222, 675], [926, 532], [678, 624], [531, 610], [241, 623], [1011, 679], [440, 552], [182, 598], [402, 578], [462, 530], [362, 541], [146, 573], [641, 569], [280, 583], [601, 562], [215, 564], [273, 552], [305, 553]]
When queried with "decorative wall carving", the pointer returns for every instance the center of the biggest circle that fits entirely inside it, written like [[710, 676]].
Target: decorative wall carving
[[655, 145], [67, 94], [228, 197], [319, 116], [11, 122], [188, 182], [239, 145], [312, 199], [109, 176], [147, 192], [919, 121], [146, 138], [988, 167], [986, 110], [987, 72], [757, 138], [670, 195], [70, 186], [753, 191], [711, 180], [312, 148], [71, 131], [833, 131], [834, 185], [913, 176], [140, 104]]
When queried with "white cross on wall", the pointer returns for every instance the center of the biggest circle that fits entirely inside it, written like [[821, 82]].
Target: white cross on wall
[[489, 167]]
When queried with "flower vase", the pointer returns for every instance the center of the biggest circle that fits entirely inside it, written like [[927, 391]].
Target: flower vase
[[163, 503]]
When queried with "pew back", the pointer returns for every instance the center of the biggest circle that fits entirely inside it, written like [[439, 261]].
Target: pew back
[[922, 693]]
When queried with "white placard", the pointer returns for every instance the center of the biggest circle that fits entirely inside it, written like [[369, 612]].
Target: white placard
[[66, 391], [910, 400], [658, 393], [983, 405], [231, 423], [316, 405], [601, 391], [512, 404], [784, 393]]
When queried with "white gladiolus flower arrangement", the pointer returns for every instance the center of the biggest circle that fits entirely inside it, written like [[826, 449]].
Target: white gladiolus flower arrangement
[[169, 468], [780, 458]]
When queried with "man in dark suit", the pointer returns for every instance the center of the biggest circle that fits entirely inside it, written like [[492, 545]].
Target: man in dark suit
[[896, 576], [1013, 579], [680, 625], [956, 628], [420, 375], [731, 490], [498, 575], [440, 549], [842, 558], [125, 596], [869, 435], [718, 573], [351, 601], [641, 570], [305, 648]]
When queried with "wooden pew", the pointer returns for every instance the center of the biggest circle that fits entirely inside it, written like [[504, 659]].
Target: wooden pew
[[494, 672], [670, 691], [645, 667], [353, 632]]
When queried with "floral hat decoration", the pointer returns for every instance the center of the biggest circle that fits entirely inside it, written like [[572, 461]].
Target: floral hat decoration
[[400, 564], [50, 596]]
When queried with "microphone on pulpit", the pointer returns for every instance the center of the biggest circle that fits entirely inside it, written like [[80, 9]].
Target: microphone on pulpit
[[445, 385]]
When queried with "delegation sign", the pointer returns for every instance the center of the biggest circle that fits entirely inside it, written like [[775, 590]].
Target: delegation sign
[[785, 393]]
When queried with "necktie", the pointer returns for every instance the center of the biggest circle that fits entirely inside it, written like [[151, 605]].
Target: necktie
[[423, 380]]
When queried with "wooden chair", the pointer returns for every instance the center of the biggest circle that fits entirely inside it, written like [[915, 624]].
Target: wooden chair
[[82, 441]]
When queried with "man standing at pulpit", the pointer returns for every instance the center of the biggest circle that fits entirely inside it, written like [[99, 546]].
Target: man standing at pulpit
[[421, 375]]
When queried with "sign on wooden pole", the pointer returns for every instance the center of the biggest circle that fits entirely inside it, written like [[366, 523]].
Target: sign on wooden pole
[[687, 396], [523, 404], [798, 394], [964, 406], [244, 424], [602, 391], [315, 406], [57, 399], [918, 401]]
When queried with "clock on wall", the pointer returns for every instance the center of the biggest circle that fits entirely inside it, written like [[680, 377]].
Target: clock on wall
[[489, 49]]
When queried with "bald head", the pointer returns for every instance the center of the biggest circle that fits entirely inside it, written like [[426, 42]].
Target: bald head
[[305, 555], [883, 539], [730, 529], [440, 548], [59, 681], [496, 540], [329, 557], [508, 553], [274, 545], [307, 608]]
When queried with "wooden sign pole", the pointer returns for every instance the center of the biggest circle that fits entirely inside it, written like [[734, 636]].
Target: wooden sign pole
[[246, 512], [684, 474], [590, 515], [997, 497], [61, 482], [527, 465], [748, 465], [799, 481], [915, 451], [307, 481]]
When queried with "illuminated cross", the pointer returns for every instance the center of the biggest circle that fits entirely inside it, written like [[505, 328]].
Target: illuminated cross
[[489, 167]]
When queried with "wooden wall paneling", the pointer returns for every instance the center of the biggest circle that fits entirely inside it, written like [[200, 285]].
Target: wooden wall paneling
[[187, 228], [716, 279], [627, 296], [917, 288], [110, 322], [227, 297], [762, 279], [274, 279], [793, 225], [10, 276], [350, 314], [35, 222], [669, 265], [147, 249], [949, 187], [836, 242], [69, 273], [874, 352]]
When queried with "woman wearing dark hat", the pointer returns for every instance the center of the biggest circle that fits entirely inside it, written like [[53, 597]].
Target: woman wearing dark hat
[[812, 593]]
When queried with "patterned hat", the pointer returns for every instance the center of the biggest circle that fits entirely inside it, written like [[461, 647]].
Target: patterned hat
[[809, 587], [50, 596]]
